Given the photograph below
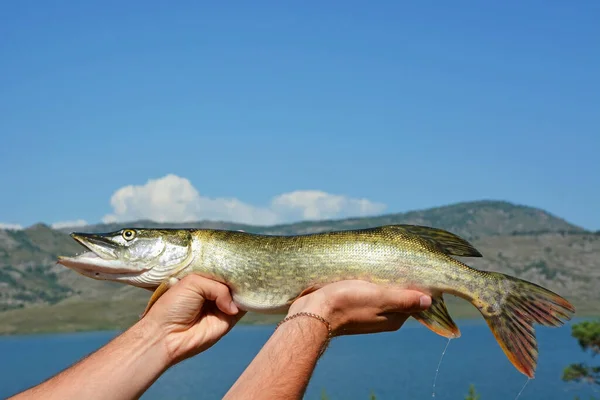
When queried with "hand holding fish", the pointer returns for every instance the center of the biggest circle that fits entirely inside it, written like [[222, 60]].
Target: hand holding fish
[[356, 307], [196, 313], [189, 319]]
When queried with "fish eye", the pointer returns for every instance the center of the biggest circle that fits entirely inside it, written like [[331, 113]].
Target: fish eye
[[128, 234]]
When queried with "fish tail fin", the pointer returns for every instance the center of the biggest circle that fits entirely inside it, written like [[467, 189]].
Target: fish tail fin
[[437, 318], [514, 309]]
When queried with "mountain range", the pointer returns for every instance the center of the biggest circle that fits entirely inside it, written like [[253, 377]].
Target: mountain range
[[38, 295]]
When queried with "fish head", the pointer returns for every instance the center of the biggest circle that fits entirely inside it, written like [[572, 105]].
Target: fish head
[[139, 257]]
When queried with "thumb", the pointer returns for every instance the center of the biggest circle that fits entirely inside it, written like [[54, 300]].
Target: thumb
[[406, 301]]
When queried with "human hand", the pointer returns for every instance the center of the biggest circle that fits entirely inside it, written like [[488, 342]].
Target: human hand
[[193, 315], [356, 306]]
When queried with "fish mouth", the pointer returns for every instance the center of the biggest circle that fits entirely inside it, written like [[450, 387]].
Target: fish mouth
[[99, 245], [100, 259]]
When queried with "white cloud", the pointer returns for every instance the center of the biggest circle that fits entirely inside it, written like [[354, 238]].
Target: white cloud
[[69, 224], [313, 204], [166, 199], [10, 226], [174, 199]]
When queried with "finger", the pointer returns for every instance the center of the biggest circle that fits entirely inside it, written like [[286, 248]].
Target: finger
[[211, 290], [214, 326], [406, 301], [227, 318], [393, 321], [234, 319], [221, 321], [389, 322]]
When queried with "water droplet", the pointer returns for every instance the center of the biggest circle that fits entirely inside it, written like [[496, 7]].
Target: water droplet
[[437, 370]]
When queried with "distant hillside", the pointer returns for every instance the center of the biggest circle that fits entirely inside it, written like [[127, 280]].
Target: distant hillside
[[523, 241], [472, 219], [28, 270]]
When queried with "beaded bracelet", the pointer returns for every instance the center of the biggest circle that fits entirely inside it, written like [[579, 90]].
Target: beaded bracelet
[[315, 316]]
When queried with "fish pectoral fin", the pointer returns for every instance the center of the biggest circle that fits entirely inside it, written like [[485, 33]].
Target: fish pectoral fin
[[437, 319], [160, 290], [448, 242]]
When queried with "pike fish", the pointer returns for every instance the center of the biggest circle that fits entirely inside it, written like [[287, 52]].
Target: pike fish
[[266, 273]]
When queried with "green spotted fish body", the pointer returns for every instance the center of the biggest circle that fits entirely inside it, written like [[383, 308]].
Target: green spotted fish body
[[266, 273]]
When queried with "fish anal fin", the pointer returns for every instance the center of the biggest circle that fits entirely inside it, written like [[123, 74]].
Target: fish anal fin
[[158, 292], [437, 318], [448, 242]]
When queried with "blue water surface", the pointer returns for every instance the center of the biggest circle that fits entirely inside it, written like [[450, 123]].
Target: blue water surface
[[395, 365]]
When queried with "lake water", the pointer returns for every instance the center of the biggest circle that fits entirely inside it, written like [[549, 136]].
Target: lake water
[[395, 365]]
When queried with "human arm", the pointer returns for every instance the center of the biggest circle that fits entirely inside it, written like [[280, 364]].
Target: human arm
[[188, 319], [350, 307]]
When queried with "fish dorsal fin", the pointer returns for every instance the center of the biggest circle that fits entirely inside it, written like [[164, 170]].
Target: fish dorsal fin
[[437, 319], [447, 242]]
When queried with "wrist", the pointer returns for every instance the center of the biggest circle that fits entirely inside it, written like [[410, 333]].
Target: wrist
[[152, 339], [309, 325], [315, 303]]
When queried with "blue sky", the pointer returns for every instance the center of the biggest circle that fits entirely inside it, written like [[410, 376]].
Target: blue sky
[[269, 112]]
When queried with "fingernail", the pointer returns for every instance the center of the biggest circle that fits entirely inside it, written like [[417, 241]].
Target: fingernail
[[233, 307], [425, 301]]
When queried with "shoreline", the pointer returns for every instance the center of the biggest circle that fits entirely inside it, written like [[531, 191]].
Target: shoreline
[[260, 322]]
